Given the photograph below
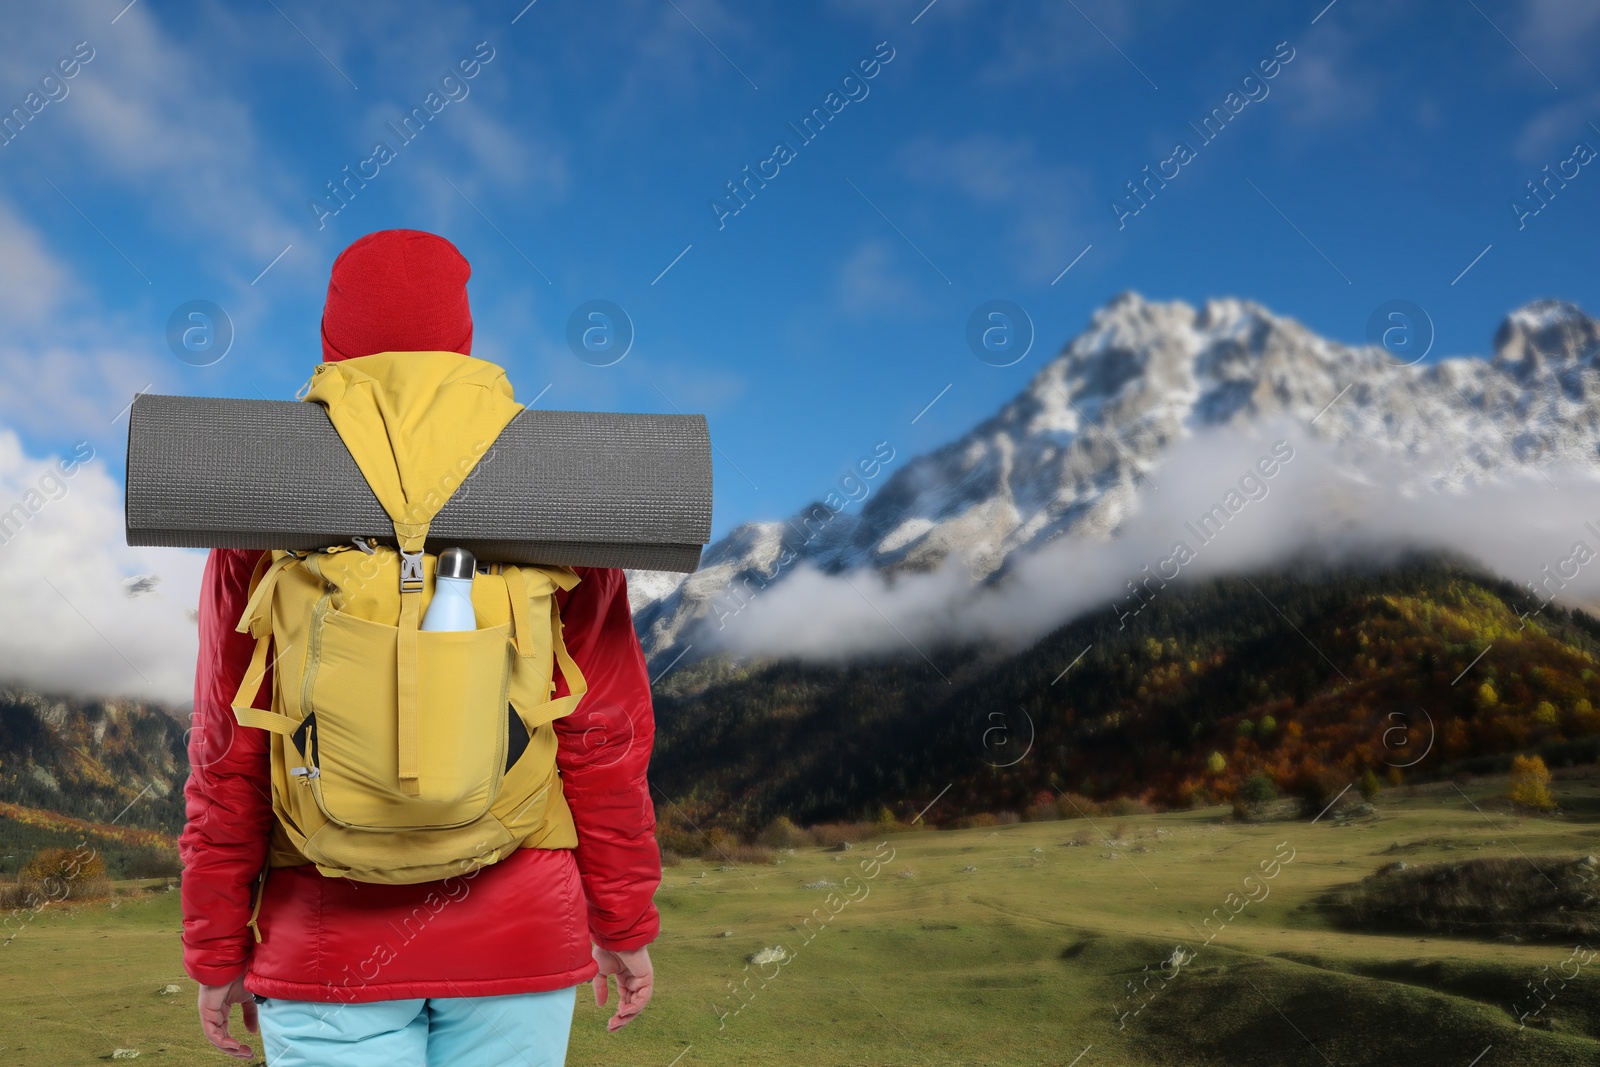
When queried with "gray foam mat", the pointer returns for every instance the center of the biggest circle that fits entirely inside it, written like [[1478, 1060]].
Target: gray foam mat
[[564, 488]]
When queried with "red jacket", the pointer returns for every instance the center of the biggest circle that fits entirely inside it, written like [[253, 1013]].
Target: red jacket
[[522, 925]]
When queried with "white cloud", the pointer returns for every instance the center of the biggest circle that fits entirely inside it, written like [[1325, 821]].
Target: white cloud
[[509, 157], [66, 370], [716, 50], [1325, 84], [694, 388], [73, 387], [1550, 134], [67, 621], [1038, 204], [33, 282], [154, 116], [1062, 42], [873, 281], [991, 170], [1560, 35], [1314, 502]]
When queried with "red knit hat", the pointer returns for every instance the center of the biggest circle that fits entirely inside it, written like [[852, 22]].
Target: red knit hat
[[397, 291]]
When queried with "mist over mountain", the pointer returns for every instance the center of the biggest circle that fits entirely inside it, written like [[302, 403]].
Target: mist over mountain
[[1155, 428]]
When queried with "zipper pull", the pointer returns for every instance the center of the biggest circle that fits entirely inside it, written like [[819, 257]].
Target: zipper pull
[[305, 774]]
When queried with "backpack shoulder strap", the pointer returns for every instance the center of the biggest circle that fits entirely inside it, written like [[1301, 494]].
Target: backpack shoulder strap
[[256, 619], [545, 582]]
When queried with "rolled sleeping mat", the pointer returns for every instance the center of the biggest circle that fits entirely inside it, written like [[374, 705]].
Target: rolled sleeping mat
[[561, 488]]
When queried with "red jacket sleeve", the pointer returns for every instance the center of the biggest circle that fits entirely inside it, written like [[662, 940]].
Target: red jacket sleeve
[[228, 797], [604, 754]]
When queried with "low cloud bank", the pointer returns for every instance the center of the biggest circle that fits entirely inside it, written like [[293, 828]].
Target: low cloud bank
[[81, 613], [1222, 503]]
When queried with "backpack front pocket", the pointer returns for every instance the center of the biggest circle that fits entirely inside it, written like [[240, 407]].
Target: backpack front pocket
[[462, 680]]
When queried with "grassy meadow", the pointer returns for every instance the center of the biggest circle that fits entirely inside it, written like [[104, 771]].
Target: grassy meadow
[[1011, 945]]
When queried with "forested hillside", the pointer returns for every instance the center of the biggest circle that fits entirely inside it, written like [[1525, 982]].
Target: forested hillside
[[1313, 676], [111, 772]]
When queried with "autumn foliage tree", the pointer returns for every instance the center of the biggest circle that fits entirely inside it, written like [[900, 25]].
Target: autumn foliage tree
[[70, 864], [61, 874], [1530, 784]]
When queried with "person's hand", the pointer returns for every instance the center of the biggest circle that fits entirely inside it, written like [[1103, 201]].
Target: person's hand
[[216, 1001], [634, 981]]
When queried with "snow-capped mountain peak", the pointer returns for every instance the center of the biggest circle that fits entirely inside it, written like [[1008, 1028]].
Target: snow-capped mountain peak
[[1071, 453], [1547, 335]]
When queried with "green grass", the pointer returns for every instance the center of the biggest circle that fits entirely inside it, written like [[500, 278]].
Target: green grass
[[1020, 961]]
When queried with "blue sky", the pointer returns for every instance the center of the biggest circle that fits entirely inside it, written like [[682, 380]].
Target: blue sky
[[580, 162]]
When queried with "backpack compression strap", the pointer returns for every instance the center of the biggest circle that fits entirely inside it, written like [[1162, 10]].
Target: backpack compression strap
[[256, 620], [411, 586]]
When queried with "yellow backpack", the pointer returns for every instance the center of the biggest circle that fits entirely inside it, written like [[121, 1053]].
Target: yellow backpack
[[389, 743]]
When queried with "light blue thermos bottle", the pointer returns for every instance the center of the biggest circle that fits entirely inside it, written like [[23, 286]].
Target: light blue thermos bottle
[[451, 607]]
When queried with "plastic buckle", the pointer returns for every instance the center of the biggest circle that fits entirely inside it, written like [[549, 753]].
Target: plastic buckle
[[364, 544], [411, 580]]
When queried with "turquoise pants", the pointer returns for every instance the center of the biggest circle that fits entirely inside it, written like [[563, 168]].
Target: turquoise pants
[[522, 1030]]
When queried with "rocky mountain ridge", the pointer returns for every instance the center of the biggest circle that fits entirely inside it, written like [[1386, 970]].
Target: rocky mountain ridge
[[1069, 455]]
